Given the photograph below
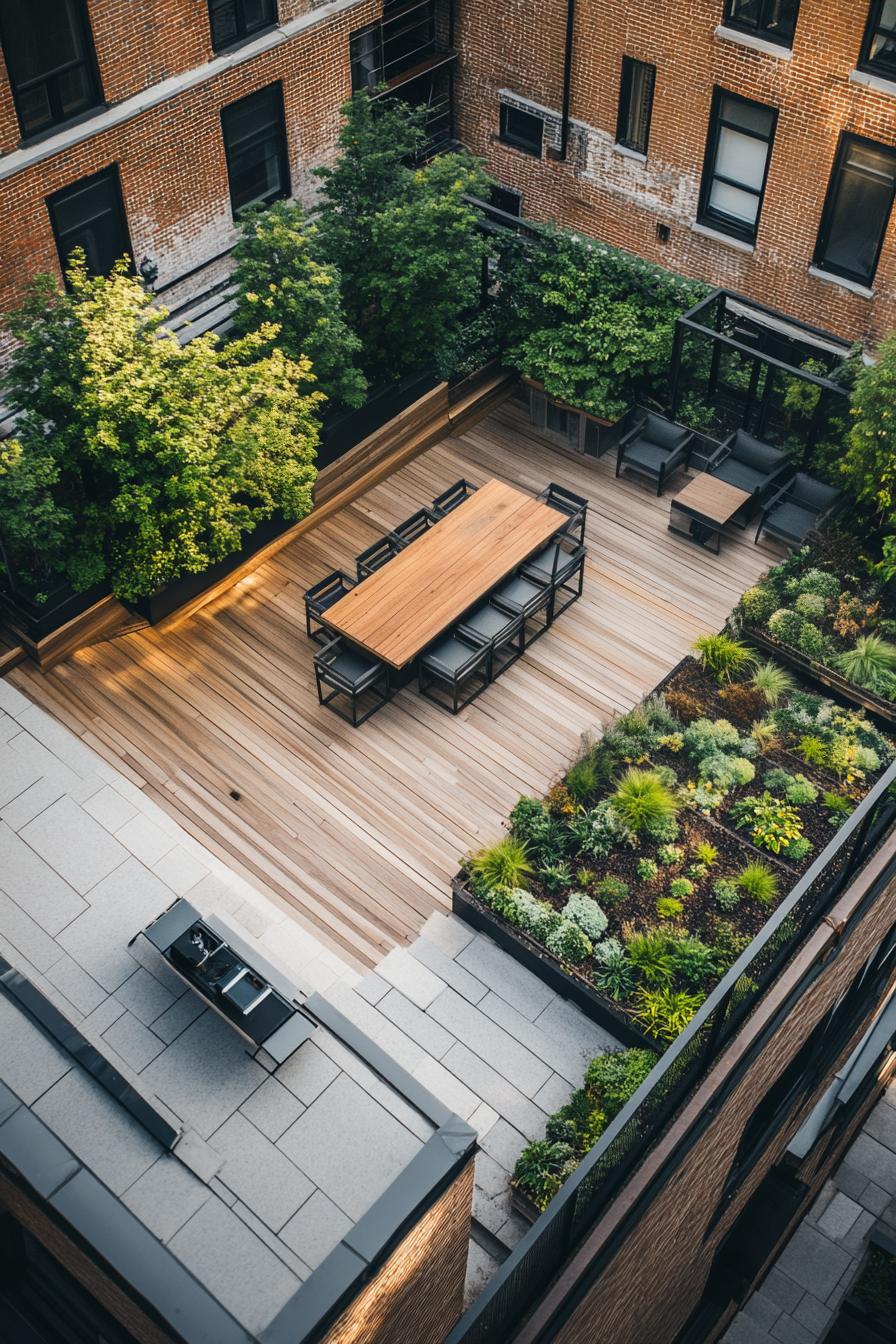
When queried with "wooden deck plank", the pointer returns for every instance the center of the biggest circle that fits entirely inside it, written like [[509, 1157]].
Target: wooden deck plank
[[356, 833]]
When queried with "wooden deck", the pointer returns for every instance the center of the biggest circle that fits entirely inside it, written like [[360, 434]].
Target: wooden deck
[[358, 832]]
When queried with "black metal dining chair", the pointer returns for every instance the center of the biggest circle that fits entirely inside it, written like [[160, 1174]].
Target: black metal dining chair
[[377, 555], [454, 671], [530, 599], [560, 567], [573, 507], [449, 499], [502, 630], [342, 673], [415, 526], [318, 600]]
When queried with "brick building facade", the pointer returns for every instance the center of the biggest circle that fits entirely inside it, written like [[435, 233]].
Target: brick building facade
[[633, 199]]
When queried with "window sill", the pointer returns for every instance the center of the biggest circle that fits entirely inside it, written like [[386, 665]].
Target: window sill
[[876, 82], [754, 43], [521, 149], [852, 285], [630, 153], [739, 244]]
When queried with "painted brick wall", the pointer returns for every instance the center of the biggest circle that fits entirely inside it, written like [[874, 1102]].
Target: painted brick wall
[[621, 200], [417, 1295], [656, 1279], [171, 156]]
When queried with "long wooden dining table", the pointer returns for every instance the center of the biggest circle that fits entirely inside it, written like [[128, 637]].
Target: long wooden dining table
[[398, 611]]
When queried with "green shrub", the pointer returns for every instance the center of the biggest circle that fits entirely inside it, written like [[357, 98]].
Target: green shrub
[[536, 917], [541, 1169], [811, 641], [669, 855], [758, 603], [672, 742], [812, 749], [560, 1129], [728, 942], [800, 791], [504, 903], [726, 772], [810, 606], [582, 780], [758, 882], [505, 864], [616, 1077], [706, 853], [705, 737], [611, 890], [868, 661], [663, 832], [646, 869], [772, 823], [796, 850], [587, 914], [681, 888], [664, 1013], [773, 681], [722, 656], [568, 942], [778, 780], [669, 907], [606, 950], [651, 955], [599, 831], [726, 892], [643, 801], [819, 582], [616, 977], [545, 838], [555, 878], [837, 807], [695, 961], [697, 871], [785, 625]]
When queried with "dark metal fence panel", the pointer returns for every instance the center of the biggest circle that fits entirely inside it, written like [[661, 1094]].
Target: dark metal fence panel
[[573, 1211]]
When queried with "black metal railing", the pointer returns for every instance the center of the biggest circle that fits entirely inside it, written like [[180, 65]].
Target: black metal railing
[[400, 43], [525, 1275]]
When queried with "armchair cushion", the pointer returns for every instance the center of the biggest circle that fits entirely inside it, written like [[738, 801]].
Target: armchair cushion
[[753, 453], [790, 521], [812, 494], [663, 432]]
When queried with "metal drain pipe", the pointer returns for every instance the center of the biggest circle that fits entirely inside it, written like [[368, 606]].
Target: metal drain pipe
[[567, 77]]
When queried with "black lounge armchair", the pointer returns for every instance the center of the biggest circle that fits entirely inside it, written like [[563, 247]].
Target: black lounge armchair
[[377, 555], [797, 509], [454, 671], [573, 507], [415, 526], [655, 448], [318, 600], [751, 465], [562, 569], [501, 630], [531, 600], [343, 673], [449, 499]]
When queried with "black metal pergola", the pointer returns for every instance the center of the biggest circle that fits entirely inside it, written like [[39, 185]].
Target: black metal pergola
[[767, 350]]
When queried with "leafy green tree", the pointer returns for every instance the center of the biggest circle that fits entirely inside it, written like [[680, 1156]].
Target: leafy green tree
[[146, 459], [594, 324], [870, 462], [281, 280], [404, 240]]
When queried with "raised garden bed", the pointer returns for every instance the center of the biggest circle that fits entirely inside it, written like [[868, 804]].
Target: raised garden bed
[[570, 427], [35, 619]]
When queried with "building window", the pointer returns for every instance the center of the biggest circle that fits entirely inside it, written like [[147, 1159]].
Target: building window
[[737, 158], [857, 209], [635, 104], [523, 130], [236, 20], [255, 145], [48, 48], [878, 53], [775, 20], [90, 215]]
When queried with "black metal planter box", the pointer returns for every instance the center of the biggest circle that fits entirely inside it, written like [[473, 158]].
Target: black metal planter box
[[565, 980], [36, 620], [165, 600], [831, 680]]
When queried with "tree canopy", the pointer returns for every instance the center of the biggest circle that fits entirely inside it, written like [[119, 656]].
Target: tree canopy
[[870, 462]]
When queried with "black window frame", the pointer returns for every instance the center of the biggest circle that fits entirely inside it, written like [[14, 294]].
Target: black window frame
[[243, 32], [88, 64], [274, 89], [761, 28], [706, 214], [847, 138], [873, 26], [624, 114], [111, 174], [519, 141]]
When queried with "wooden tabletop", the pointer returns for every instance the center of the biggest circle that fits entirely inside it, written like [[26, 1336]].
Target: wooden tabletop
[[711, 498], [396, 612]]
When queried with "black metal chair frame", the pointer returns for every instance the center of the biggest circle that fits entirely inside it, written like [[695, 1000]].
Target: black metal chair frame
[[389, 545], [575, 508], [679, 457], [451, 498], [478, 665], [325, 675], [781, 497], [505, 647], [760, 491], [314, 608], [415, 526], [565, 572], [529, 611]]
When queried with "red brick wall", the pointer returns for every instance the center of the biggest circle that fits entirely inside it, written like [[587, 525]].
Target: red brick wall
[[622, 201], [171, 157]]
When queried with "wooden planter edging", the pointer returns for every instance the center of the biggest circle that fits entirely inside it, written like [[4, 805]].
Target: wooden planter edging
[[559, 976], [808, 668]]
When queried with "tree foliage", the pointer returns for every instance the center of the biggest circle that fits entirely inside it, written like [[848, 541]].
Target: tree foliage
[[404, 240], [136, 457], [870, 462], [594, 324], [280, 279]]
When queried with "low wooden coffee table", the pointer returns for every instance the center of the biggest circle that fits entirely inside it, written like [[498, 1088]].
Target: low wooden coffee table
[[707, 504]]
